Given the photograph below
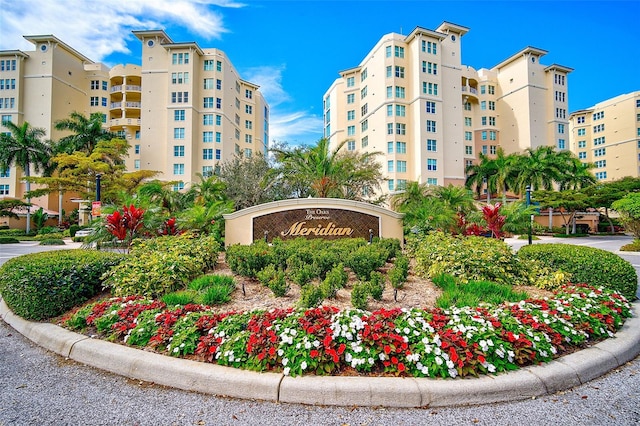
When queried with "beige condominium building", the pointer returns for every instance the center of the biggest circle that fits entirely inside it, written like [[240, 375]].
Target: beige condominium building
[[412, 100], [183, 109], [608, 135]]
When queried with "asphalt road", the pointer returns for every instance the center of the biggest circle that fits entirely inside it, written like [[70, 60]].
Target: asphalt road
[[38, 387]]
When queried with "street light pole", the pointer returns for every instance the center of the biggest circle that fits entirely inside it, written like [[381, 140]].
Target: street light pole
[[98, 177], [531, 219]]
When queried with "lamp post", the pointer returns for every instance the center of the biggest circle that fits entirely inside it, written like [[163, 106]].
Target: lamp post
[[528, 204], [98, 177]]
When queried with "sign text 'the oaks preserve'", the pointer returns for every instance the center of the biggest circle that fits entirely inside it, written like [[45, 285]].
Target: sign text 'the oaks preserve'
[[326, 223]]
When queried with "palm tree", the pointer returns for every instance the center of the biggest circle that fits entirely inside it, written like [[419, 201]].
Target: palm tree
[[576, 174], [87, 132], [540, 168], [505, 174], [412, 195], [24, 147], [480, 174], [457, 198], [331, 173]]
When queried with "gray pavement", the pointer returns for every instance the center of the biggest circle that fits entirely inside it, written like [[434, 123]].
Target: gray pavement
[[39, 387]]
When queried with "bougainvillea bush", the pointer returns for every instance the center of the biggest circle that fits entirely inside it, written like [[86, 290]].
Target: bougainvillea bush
[[458, 341]]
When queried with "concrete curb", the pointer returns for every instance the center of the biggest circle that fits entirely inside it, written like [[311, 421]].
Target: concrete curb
[[561, 374]]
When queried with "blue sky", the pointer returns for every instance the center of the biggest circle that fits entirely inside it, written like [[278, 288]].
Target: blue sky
[[295, 49]]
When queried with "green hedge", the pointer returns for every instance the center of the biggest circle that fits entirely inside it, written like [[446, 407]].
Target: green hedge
[[587, 265], [161, 265], [8, 240], [43, 285]]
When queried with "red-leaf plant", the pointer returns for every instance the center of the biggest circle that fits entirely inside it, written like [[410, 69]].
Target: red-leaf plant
[[125, 226], [495, 221]]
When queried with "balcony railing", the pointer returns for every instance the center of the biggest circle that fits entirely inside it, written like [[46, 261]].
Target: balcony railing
[[133, 104], [128, 88], [471, 90]]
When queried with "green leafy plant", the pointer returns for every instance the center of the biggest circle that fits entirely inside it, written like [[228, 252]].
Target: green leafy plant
[[311, 296], [8, 240], [335, 280], [474, 293], [586, 265], [180, 298], [218, 292], [360, 295], [365, 260], [52, 242], [376, 285], [633, 246]]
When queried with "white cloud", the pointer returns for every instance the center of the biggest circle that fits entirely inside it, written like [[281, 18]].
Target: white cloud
[[296, 128], [100, 28]]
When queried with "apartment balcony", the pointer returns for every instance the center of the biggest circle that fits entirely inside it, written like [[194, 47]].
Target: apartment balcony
[[137, 105], [127, 88], [120, 122], [470, 92], [115, 105]]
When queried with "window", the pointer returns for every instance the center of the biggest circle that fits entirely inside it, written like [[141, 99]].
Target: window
[[468, 136], [430, 88], [207, 137], [483, 90], [351, 130], [399, 72], [178, 115], [492, 121], [432, 145], [4, 189], [5, 118], [389, 92], [492, 149], [492, 106], [431, 126], [399, 52], [484, 135], [364, 109], [218, 120], [208, 64], [390, 184], [401, 166], [483, 120], [401, 147], [401, 184], [492, 90], [218, 137], [401, 129], [387, 51], [248, 124], [136, 164], [560, 128], [208, 102], [429, 47], [561, 113], [207, 119], [248, 109], [103, 102], [178, 151], [248, 138], [432, 181], [582, 155], [237, 134], [600, 164], [178, 186], [483, 105], [600, 152], [601, 175], [389, 110], [351, 115], [484, 149], [559, 79], [136, 149], [582, 144], [248, 152], [351, 81], [178, 169], [219, 103], [364, 142], [560, 96], [95, 84], [105, 85], [400, 92], [467, 106], [363, 75], [248, 94], [582, 132], [598, 128], [389, 147], [400, 110], [179, 58], [207, 171], [599, 141], [5, 173], [93, 101], [431, 107], [351, 98], [432, 164], [180, 77], [208, 83], [351, 145], [467, 121], [492, 135], [219, 84], [207, 154], [179, 97], [561, 144], [178, 133], [389, 128], [468, 150], [218, 66], [432, 68], [390, 164], [364, 125], [580, 120]]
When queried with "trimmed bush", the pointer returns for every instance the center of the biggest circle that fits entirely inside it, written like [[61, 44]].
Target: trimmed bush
[[587, 265], [311, 296], [12, 232], [162, 265], [43, 285], [52, 242], [633, 246], [360, 295], [8, 240], [73, 229], [366, 259]]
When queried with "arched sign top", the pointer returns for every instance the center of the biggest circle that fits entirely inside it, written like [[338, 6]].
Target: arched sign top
[[327, 218]]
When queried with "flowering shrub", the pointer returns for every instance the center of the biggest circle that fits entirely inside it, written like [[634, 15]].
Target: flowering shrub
[[458, 341]]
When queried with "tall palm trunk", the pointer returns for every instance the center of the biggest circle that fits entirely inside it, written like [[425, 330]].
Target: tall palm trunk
[[27, 173]]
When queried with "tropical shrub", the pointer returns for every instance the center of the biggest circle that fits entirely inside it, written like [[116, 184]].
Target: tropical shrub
[[49, 236], [12, 232], [43, 285], [360, 295], [366, 259], [52, 242], [633, 246], [311, 296], [8, 240], [247, 260], [162, 265], [468, 258], [587, 265], [335, 280], [376, 285]]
